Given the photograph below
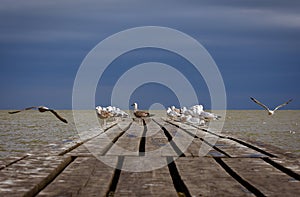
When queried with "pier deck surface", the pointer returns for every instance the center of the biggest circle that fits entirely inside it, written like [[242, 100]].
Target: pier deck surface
[[153, 157]]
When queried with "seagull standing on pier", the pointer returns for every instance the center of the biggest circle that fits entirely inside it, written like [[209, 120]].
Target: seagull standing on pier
[[103, 113], [41, 109], [139, 113], [172, 114], [197, 111], [270, 112]]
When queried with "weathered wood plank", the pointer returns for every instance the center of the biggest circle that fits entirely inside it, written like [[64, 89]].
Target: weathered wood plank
[[151, 183], [292, 164], [232, 148], [269, 180], [85, 136], [156, 142], [86, 176], [188, 144], [5, 162], [100, 144], [179, 139], [204, 177], [28, 176], [198, 143], [235, 149], [128, 144]]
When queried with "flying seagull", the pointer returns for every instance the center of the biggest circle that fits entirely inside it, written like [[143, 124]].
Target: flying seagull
[[271, 112], [41, 109]]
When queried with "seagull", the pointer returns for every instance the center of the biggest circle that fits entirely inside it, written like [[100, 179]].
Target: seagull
[[172, 114], [292, 132], [192, 120], [198, 112], [41, 109], [103, 113], [173, 108], [117, 112], [138, 113], [209, 116], [270, 112]]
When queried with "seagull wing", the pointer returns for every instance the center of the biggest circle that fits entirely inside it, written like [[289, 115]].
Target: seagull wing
[[259, 103], [279, 106], [141, 114], [28, 108], [58, 116]]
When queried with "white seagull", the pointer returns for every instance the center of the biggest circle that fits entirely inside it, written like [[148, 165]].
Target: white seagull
[[41, 109], [103, 113], [191, 119], [172, 114], [270, 112], [173, 108], [197, 111]]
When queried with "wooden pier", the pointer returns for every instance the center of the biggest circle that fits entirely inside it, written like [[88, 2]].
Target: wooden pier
[[232, 167]]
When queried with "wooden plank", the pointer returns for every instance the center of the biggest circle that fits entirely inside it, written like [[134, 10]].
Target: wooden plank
[[235, 149], [197, 143], [204, 177], [5, 162], [80, 151], [200, 133], [155, 137], [188, 144], [128, 144], [100, 144], [157, 143], [85, 136], [232, 148], [28, 176], [292, 164], [269, 180], [86, 176], [194, 148], [151, 183]]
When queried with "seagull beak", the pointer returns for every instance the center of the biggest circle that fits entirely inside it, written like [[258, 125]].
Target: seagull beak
[[132, 104]]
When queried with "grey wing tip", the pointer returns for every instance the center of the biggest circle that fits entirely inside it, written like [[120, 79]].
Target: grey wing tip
[[58, 116]]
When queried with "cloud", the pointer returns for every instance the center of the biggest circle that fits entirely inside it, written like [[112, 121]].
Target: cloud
[[58, 34], [45, 21]]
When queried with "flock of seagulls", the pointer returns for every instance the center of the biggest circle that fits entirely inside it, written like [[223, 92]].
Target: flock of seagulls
[[109, 112], [113, 112], [193, 115]]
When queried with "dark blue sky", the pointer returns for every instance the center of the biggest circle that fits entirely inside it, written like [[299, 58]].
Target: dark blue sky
[[255, 44]]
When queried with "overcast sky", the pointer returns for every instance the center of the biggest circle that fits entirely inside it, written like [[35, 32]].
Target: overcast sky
[[255, 44]]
